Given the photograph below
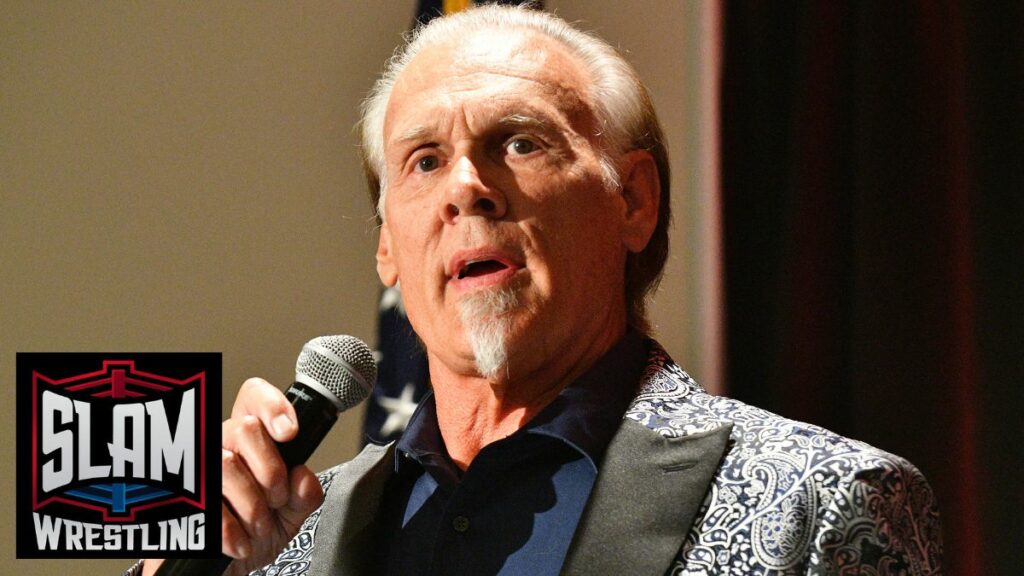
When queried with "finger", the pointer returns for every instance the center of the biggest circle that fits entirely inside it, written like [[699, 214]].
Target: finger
[[261, 399], [306, 495], [248, 440], [234, 541], [245, 498], [151, 565]]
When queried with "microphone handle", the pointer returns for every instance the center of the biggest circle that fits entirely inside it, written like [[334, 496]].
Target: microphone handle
[[315, 414]]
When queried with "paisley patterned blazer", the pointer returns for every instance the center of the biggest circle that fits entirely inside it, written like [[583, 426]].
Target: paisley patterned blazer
[[692, 484]]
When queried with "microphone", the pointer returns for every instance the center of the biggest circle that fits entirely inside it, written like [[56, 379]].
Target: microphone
[[332, 374]]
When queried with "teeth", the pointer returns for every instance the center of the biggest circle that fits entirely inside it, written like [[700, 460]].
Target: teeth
[[465, 268]]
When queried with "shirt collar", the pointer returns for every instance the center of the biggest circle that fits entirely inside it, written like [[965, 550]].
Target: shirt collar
[[585, 415]]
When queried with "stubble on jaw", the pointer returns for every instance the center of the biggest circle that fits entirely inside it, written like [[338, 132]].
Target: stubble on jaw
[[486, 321]]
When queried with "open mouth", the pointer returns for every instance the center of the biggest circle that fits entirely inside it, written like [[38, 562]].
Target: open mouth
[[481, 268]]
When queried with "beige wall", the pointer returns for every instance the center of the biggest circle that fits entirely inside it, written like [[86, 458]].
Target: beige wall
[[183, 176]]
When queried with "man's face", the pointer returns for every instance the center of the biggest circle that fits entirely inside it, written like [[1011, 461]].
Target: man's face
[[495, 182]]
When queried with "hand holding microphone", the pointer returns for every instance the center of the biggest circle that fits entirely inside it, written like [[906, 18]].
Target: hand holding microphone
[[267, 490]]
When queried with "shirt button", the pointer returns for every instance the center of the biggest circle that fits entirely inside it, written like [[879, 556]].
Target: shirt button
[[460, 523]]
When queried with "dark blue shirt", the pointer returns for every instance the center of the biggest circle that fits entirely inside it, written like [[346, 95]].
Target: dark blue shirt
[[515, 509]]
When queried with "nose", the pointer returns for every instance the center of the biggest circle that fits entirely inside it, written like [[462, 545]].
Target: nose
[[469, 195]]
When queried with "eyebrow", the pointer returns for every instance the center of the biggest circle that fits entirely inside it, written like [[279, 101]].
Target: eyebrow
[[518, 121], [414, 133], [523, 121]]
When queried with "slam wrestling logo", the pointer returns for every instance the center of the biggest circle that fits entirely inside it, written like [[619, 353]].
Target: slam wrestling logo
[[117, 455]]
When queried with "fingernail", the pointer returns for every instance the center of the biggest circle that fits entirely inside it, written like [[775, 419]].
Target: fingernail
[[282, 425]]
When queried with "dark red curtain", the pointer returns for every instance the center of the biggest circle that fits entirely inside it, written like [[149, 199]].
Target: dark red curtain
[[872, 173]]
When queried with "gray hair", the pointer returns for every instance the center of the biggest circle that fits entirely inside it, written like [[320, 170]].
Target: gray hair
[[622, 106]]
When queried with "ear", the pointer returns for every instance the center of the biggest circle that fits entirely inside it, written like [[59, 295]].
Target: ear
[[386, 268], [641, 190]]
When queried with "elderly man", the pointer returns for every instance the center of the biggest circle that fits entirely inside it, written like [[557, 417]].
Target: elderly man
[[524, 199]]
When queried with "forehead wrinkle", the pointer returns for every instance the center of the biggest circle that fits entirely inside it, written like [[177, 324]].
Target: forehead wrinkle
[[567, 89]]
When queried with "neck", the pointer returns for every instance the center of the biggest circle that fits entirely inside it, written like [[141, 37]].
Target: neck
[[473, 412]]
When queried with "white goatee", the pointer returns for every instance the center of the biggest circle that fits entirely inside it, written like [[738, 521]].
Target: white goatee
[[485, 318]]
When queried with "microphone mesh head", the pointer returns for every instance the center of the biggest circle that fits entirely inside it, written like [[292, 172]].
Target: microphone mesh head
[[342, 365]]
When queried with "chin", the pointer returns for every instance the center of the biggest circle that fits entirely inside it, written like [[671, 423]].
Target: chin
[[487, 321]]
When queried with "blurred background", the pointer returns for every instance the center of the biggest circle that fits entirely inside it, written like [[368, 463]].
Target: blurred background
[[847, 187]]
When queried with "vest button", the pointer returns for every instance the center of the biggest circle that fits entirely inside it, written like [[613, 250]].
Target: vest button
[[460, 523]]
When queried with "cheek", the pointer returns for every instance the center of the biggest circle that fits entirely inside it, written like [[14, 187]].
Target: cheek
[[409, 219], [591, 250], [588, 225], [409, 259], [581, 258], [416, 259]]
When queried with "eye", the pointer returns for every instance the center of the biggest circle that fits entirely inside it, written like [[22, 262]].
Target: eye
[[520, 146], [427, 164]]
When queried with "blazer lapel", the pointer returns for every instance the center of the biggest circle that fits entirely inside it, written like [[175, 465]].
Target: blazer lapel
[[644, 500], [345, 529]]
